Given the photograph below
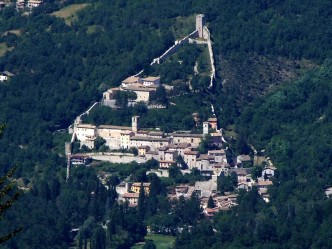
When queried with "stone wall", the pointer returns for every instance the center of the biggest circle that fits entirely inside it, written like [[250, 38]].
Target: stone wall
[[174, 48]]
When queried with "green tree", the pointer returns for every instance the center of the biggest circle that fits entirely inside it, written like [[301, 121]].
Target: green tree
[[149, 245], [7, 197], [159, 96], [98, 240], [210, 203], [141, 208]]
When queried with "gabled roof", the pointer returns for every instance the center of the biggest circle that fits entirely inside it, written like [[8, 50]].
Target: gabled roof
[[114, 127], [86, 126], [130, 195]]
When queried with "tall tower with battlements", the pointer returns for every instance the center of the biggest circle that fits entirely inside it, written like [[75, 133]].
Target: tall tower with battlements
[[200, 23], [135, 123]]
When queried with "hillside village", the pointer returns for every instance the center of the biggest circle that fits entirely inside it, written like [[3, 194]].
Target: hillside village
[[170, 149]]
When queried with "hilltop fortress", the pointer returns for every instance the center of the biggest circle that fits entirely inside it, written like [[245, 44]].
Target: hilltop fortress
[[152, 143], [144, 87]]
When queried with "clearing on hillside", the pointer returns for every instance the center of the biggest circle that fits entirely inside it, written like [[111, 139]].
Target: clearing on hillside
[[69, 12], [4, 48], [161, 241], [13, 31]]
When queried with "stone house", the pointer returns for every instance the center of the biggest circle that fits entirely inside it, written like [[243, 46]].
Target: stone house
[[136, 187], [192, 139], [153, 142], [190, 158], [85, 131], [166, 163], [131, 198]]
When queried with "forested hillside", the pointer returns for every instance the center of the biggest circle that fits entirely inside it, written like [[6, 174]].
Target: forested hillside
[[294, 124], [62, 66]]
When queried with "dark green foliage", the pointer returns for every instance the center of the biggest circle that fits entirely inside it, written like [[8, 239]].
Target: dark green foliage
[[159, 96], [149, 245], [300, 147], [227, 183], [60, 70], [142, 202], [210, 203], [256, 171], [206, 144], [122, 98], [7, 198]]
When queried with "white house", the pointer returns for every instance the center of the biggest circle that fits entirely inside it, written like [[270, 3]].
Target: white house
[[85, 131], [151, 81], [268, 172], [3, 78]]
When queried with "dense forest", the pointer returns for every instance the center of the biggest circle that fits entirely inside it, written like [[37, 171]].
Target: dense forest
[[62, 68]]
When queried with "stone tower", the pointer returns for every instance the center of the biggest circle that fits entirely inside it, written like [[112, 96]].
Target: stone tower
[[205, 128], [200, 23], [135, 123]]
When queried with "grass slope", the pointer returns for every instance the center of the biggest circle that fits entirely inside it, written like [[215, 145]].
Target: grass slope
[[69, 12], [161, 241]]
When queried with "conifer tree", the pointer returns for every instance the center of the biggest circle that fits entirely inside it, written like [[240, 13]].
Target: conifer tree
[[7, 199], [210, 203], [141, 202]]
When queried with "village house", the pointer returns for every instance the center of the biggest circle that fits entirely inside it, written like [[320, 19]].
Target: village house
[[109, 97], [131, 198], [192, 139], [85, 131], [152, 155], [213, 122], [136, 187], [241, 160], [221, 168], [3, 78], [244, 185], [34, 3], [168, 154], [151, 81], [142, 87], [328, 192], [116, 136], [143, 93], [264, 184], [226, 202], [216, 139], [159, 172], [131, 81], [20, 5], [153, 142], [80, 159], [204, 162], [183, 190], [180, 148], [219, 155], [165, 164], [268, 172], [206, 188], [142, 150], [190, 158], [210, 212], [122, 188]]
